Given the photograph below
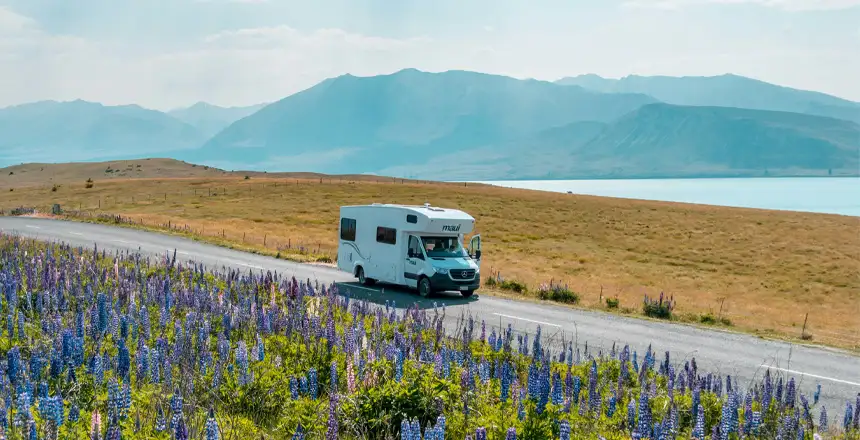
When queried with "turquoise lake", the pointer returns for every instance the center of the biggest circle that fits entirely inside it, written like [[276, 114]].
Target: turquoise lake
[[836, 195]]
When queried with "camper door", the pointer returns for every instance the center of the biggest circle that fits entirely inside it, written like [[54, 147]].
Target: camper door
[[414, 262]]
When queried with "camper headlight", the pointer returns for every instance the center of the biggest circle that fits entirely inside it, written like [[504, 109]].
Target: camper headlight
[[441, 271]]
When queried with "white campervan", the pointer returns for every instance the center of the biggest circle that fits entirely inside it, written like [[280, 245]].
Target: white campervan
[[415, 246]]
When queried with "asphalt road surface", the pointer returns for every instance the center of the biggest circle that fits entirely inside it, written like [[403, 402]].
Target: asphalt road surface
[[744, 357]]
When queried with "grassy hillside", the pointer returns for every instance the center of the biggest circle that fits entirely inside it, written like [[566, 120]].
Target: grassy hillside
[[764, 270], [724, 91], [41, 174]]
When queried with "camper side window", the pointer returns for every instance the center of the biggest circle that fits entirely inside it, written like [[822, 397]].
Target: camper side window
[[347, 229], [411, 218], [386, 235]]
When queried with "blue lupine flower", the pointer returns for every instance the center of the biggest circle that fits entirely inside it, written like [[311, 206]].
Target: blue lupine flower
[[564, 430], [610, 409], [699, 428], [312, 382], [212, 431]]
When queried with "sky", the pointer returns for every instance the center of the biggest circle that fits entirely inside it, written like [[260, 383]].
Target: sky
[[165, 54]]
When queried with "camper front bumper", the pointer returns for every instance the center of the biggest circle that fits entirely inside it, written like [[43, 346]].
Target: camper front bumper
[[443, 282]]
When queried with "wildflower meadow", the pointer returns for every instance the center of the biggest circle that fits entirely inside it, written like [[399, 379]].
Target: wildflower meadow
[[111, 346]]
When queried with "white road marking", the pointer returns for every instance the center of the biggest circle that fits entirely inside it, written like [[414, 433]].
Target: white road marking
[[32, 227], [75, 233], [182, 253], [254, 266], [811, 375], [121, 241], [529, 320], [363, 287]]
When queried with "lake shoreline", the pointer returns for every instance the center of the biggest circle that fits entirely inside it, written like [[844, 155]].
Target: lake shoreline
[[698, 177], [833, 195]]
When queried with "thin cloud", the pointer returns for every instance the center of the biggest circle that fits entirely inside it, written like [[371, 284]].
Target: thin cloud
[[789, 5]]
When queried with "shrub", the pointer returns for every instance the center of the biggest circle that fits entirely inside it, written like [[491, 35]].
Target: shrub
[[558, 293], [710, 319], [661, 308], [514, 286], [54, 188], [612, 303], [496, 280]]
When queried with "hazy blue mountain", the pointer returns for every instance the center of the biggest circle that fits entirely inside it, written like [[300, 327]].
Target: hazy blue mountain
[[664, 140], [725, 91], [51, 131], [349, 124], [687, 140], [210, 119]]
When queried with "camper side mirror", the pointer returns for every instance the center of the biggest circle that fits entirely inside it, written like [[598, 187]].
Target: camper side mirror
[[410, 253], [478, 254]]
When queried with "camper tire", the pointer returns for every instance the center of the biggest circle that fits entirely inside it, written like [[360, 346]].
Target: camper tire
[[363, 279], [424, 287]]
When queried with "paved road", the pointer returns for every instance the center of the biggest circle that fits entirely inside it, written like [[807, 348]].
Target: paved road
[[742, 356]]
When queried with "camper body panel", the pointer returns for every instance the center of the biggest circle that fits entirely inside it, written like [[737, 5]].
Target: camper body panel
[[390, 244]]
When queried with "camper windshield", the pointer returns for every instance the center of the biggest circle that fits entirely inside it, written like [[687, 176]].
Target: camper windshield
[[443, 247]]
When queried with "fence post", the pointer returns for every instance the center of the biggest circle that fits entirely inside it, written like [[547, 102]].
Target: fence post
[[803, 331]]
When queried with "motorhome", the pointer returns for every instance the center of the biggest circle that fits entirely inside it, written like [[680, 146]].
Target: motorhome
[[419, 247]]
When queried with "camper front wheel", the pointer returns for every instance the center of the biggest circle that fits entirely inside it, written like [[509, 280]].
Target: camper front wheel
[[362, 279], [424, 288]]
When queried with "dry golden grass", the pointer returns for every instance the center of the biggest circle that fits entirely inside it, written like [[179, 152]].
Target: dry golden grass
[[767, 268]]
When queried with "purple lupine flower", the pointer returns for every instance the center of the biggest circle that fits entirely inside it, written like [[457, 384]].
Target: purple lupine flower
[[331, 432], [822, 420], [631, 415], [644, 426], [242, 363], [481, 433]]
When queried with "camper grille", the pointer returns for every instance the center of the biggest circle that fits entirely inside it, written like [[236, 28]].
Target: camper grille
[[463, 274]]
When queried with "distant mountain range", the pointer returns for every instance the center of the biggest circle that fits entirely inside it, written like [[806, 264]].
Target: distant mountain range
[[210, 119], [51, 131], [723, 91], [462, 125]]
